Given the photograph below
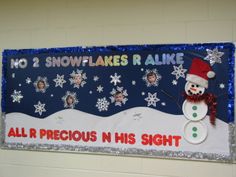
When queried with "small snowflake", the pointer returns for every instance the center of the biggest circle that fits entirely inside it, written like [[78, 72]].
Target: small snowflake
[[119, 96], [99, 89], [41, 84], [59, 81], [214, 56], [39, 108], [51, 95], [13, 75], [142, 69], [143, 93], [16, 96], [70, 100], [151, 77], [28, 80], [115, 79], [179, 71], [102, 104], [90, 92], [222, 86], [95, 78], [78, 78], [163, 104], [152, 99], [174, 82], [133, 82], [19, 85]]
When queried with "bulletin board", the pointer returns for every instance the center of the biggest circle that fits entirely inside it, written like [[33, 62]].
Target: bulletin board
[[167, 101]]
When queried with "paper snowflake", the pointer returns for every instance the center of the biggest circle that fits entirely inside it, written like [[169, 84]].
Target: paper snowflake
[[59, 81], [41, 84], [115, 79], [214, 56], [28, 80], [78, 78], [222, 86], [179, 71], [16, 96], [102, 104], [174, 82], [39, 108], [118, 96], [70, 100], [152, 99], [151, 77], [99, 89], [95, 78]]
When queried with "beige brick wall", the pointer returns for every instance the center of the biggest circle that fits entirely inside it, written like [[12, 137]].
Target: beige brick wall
[[61, 23]]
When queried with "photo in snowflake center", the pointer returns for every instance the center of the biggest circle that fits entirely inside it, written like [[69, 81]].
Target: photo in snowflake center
[[150, 100]]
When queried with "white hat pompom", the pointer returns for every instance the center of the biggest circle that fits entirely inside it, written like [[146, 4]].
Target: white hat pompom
[[210, 74]]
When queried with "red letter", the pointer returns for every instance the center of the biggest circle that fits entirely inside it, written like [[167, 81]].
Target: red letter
[[32, 133], [93, 137], [144, 139], [11, 132], [132, 138], [42, 133], [177, 138], [106, 137], [167, 140], [157, 139]]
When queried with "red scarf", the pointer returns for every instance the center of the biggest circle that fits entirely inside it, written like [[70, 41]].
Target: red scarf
[[209, 99]]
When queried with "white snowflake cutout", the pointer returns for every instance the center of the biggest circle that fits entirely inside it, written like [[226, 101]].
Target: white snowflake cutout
[[179, 71], [119, 96], [99, 89], [39, 108], [214, 56], [16, 96], [174, 82], [70, 100], [78, 78], [59, 81], [41, 84], [152, 99], [151, 77], [102, 104], [28, 80], [95, 78], [115, 79]]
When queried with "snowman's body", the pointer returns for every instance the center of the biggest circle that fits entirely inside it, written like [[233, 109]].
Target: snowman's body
[[195, 130]]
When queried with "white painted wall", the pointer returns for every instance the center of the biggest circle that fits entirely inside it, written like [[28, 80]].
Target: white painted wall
[[61, 23]]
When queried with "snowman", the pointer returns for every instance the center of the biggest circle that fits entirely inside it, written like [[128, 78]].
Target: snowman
[[197, 102]]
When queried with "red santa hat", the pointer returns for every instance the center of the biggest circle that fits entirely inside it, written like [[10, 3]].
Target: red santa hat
[[200, 72]]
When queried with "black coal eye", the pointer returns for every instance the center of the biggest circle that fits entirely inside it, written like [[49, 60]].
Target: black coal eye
[[197, 85], [200, 92], [192, 85], [189, 91]]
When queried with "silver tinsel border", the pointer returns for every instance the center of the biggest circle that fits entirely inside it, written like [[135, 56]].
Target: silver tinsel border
[[128, 151]]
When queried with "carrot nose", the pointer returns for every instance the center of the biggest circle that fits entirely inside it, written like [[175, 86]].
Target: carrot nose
[[193, 89]]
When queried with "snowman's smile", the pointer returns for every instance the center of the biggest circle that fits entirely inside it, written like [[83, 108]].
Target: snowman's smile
[[193, 89]]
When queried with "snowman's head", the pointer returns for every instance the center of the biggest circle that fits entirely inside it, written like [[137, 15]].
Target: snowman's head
[[193, 89]]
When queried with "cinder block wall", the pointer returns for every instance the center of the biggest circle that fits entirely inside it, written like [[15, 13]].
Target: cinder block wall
[[61, 23]]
